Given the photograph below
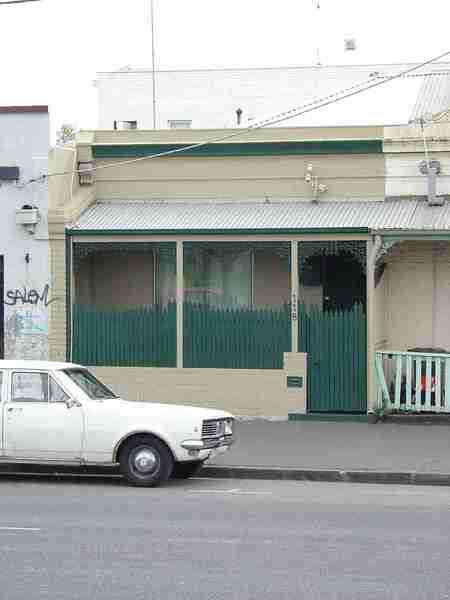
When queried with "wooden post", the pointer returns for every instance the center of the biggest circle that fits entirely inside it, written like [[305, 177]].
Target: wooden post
[[294, 296], [180, 301], [370, 271]]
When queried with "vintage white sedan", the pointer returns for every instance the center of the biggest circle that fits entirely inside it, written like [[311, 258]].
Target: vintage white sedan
[[61, 413]]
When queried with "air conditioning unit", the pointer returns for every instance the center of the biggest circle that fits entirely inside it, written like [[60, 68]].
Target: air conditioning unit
[[28, 216]]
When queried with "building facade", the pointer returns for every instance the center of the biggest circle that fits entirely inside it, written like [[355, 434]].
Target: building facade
[[25, 282], [263, 275]]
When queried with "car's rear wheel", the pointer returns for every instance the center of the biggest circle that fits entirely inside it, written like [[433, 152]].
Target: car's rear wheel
[[145, 461], [184, 470]]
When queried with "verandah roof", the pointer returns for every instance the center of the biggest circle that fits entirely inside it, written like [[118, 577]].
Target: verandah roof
[[175, 217]]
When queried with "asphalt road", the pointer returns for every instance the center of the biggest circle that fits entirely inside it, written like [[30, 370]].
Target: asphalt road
[[212, 539]]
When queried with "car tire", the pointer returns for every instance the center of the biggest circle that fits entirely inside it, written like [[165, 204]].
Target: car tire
[[184, 470], [145, 461]]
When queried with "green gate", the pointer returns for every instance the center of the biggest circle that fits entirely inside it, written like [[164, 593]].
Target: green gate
[[336, 344]]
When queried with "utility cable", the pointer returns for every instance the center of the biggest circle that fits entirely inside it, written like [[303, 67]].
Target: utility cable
[[17, 1], [280, 117]]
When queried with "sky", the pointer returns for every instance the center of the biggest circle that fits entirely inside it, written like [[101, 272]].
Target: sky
[[51, 51]]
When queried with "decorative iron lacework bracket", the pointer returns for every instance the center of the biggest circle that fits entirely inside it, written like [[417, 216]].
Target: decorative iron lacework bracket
[[385, 247], [82, 250], [333, 248]]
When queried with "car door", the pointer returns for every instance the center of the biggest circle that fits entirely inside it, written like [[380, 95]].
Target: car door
[[40, 419]]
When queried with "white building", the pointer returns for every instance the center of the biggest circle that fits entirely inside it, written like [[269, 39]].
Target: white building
[[223, 98], [25, 288]]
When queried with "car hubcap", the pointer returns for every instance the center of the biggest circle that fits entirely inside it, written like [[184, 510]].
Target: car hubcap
[[145, 461]]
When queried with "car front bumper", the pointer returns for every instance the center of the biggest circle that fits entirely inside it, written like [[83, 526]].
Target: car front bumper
[[209, 444]]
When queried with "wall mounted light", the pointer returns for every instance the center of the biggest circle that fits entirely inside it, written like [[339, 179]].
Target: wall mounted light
[[85, 173], [316, 187]]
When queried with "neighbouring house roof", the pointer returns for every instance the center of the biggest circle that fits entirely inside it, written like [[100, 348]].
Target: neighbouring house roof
[[220, 217], [423, 92], [38, 108], [434, 96]]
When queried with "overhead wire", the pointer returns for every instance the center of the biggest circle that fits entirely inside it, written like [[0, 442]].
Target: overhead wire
[[17, 1], [273, 120]]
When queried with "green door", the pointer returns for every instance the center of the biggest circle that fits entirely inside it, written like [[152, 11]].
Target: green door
[[335, 342]]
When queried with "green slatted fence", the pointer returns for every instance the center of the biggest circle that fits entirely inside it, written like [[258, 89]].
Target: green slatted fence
[[127, 338], [235, 338]]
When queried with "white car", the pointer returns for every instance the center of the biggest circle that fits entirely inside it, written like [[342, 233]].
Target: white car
[[61, 413]]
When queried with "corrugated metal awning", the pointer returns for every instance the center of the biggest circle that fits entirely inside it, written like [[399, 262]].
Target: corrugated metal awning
[[434, 96], [172, 217]]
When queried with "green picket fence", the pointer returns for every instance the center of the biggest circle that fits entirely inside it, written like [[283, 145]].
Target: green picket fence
[[235, 338], [336, 344], [144, 337]]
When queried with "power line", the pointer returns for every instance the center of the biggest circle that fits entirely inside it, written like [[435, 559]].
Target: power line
[[280, 117], [152, 24], [17, 1]]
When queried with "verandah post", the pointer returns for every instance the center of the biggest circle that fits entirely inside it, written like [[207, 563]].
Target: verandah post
[[294, 296], [371, 251], [180, 300]]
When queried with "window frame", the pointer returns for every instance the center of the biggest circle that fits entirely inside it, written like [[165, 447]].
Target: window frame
[[74, 382], [179, 124], [51, 378], [21, 372]]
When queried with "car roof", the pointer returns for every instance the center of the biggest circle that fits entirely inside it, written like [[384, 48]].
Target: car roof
[[46, 365]]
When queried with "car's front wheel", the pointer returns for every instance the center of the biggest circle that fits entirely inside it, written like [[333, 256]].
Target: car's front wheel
[[145, 461]]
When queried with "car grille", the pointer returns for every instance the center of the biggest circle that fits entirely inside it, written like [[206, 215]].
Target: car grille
[[213, 428]]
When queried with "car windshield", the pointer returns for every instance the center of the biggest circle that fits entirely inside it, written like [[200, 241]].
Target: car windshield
[[89, 384]]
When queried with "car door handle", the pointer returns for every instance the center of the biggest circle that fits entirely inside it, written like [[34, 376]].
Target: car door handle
[[11, 408]]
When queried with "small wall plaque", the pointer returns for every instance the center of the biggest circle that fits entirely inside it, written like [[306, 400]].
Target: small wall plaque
[[294, 382]]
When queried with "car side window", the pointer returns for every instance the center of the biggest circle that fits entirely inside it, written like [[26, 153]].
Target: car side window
[[29, 387], [57, 394]]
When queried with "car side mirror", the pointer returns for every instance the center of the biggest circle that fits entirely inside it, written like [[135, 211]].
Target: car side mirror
[[70, 403]]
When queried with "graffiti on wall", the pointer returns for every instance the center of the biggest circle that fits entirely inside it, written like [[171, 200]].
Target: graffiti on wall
[[26, 322], [30, 296]]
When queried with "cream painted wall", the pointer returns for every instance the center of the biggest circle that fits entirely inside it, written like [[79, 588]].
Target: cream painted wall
[[404, 179], [266, 134], [442, 318], [418, 295], [245, 177], [404, 149], [380, 315], [243, 392]]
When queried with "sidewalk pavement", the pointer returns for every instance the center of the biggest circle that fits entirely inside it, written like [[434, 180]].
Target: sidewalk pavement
[[313, 451], [351, 452]]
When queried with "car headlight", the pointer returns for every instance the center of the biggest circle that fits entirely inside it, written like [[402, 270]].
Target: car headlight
[[228, 426]]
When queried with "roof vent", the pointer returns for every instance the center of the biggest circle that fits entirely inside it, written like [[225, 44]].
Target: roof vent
[[350, 44]]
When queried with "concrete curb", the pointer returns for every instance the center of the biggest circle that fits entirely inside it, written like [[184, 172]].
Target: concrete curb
[[235, 472], [330, 475]]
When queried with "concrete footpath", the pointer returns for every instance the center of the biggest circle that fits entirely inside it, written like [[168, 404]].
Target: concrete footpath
[[348, 452], [312, 451]]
